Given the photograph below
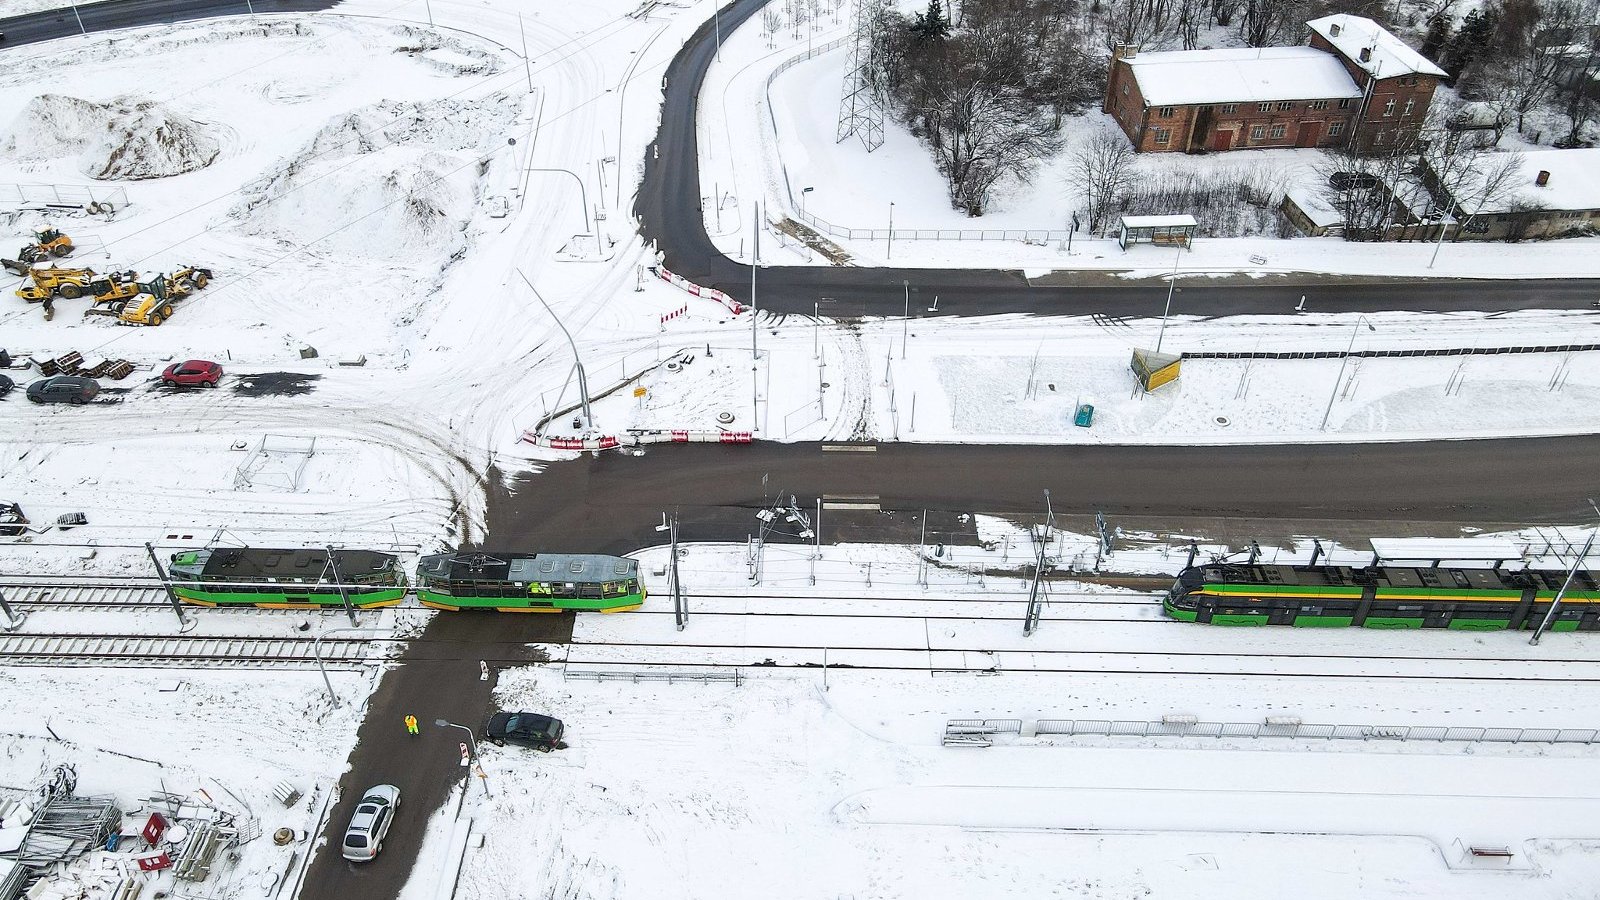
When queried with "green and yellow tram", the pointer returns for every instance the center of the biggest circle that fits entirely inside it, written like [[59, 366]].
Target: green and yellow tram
[[288, 579], [529, 582], [1382, 597]]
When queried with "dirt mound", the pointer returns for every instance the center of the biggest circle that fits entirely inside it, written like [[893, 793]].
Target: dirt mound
[[124, 139], [393, 180]]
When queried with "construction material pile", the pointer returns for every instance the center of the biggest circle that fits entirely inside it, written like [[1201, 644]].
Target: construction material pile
[[124, 139]]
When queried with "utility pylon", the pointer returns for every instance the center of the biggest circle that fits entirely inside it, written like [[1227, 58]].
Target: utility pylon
[[861, 106]]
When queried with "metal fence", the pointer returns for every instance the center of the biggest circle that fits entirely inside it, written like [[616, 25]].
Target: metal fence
[[1296, 730], [109, 199], [1375, 354], [734, 677]]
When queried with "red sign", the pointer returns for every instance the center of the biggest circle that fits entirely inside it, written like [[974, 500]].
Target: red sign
[[155, 862], [154, 829]]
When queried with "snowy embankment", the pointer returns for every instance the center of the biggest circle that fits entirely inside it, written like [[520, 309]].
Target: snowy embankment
[[790, 117]]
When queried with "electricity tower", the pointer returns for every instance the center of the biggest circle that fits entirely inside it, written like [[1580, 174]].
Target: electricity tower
[[861, 106]]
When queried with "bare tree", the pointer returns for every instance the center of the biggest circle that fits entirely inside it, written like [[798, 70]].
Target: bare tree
[[1494, 180], [1100, 168], [1267, 22], [771, 21]]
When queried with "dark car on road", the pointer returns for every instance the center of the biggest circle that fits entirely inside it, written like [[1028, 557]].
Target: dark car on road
[[193, 373], [6, 384], [64, 389], [525, 729]]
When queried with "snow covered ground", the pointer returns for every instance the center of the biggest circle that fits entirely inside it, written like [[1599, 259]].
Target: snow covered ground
[[790, 114], [350, 205]]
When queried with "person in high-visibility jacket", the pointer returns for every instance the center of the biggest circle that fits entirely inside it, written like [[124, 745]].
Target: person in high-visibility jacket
[[411, 724]]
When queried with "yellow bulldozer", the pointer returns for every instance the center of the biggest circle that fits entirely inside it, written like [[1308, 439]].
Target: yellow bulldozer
[[153, 303]]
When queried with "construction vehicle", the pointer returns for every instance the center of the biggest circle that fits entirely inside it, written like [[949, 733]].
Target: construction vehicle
[[52, 281], [48, 241], [154, 301], [115, 287]]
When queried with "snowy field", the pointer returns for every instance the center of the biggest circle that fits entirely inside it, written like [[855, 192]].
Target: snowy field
[[343, 175]]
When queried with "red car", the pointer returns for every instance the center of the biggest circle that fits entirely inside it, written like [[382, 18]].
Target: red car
[[193, 372]]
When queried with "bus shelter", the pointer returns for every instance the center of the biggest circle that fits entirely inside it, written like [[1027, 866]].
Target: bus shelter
[[1168, 231]]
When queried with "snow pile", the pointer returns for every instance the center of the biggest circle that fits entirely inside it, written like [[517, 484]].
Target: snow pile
[[392, 180], [123, 139]]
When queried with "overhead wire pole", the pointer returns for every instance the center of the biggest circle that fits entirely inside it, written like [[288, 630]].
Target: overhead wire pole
[[755, 353], [1030, 621], [344, 592], [583, 378], [1555, 602], [184, 622], [14, 621]]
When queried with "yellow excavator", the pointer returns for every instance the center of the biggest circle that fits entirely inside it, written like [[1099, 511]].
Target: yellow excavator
[[155, 298], [54, 281]]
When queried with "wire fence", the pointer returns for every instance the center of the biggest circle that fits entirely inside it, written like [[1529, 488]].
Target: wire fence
[[1376, 354], [981, 731], [65, 196]]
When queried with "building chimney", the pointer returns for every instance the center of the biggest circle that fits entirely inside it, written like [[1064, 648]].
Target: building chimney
[[1366, 54], [1129, 51], [1543, 179], [1334, 29]]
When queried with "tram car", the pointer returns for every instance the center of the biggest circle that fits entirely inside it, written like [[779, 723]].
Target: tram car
[[289, 579], [529, 582], [1382, 597]]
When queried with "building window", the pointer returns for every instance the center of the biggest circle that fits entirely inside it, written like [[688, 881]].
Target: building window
[[1335, 129], [1166, 112], [1343, 104], [1258, 132], [1285, 106], [1264, 107], [1277, 131], [1388, 107], [1478, 226], [1318, 104], [1230, 108], [1410, 105], [1163, 135]]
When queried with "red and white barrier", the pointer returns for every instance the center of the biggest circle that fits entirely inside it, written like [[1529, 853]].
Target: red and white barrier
[[683, 283], [680, 311], [611, 442]]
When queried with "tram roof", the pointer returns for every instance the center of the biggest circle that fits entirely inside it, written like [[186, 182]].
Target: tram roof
[[581, 568], [1446, 550], [236, 562]]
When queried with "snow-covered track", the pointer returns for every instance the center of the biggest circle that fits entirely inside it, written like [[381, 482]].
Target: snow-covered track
[[179, 652]]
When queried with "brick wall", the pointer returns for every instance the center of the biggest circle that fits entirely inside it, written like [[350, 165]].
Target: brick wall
[[1386, 126]]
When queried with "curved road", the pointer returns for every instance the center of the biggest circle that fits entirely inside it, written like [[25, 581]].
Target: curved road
[[668, 208], [613, 503]]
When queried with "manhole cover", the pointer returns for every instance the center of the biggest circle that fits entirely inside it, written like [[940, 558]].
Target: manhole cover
[[724, 417], [1223, 421]]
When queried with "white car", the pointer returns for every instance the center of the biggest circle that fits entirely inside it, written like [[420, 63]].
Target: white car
[[364, 838]]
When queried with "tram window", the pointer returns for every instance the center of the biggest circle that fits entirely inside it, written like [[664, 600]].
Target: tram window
[[1311, 609], [1413, 608]]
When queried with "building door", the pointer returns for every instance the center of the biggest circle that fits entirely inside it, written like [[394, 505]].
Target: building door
[[1308, 134], [1222, 139]]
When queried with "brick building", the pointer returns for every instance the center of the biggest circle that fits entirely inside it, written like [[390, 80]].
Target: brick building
[[1355, 81]]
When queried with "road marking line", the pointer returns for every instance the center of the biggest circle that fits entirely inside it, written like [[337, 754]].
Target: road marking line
[[850, 448]]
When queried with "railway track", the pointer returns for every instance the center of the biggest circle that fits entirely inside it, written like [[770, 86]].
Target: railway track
[[157, 651]]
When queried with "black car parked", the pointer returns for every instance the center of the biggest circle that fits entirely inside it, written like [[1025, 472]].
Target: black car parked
[[526, 729], [64, 389], [6, 384]]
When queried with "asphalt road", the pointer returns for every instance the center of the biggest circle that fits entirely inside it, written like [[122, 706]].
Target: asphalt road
[[438, 678], [668, 207], [613, 503], [56, 23]]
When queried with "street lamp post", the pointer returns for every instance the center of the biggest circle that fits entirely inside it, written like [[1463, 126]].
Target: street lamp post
[[583, 192], [472, 742], [1355, 333], [583, 378], [905, 320], [803, 193], [889, 251], [1438, 243], [1171, 286]]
